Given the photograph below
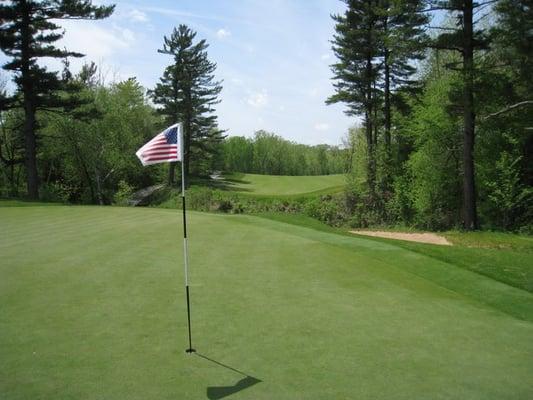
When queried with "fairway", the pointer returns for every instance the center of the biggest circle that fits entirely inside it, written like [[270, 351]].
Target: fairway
[[92, 307], [285, 185]]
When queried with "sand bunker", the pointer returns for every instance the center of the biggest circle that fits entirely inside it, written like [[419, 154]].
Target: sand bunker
[[411, 237]]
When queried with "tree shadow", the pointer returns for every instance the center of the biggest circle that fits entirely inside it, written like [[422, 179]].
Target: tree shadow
[[219, 392], [224, 182]]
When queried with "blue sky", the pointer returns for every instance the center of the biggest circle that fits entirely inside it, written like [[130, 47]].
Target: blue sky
[[273, 57]]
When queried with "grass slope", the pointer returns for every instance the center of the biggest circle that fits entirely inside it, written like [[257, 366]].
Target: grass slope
[[284, 185], [92, 307], [505, 257]]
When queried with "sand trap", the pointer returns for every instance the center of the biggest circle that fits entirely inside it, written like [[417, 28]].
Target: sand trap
[[411, 237]]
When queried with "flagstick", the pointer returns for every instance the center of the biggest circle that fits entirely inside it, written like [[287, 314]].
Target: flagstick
[[185, 255]]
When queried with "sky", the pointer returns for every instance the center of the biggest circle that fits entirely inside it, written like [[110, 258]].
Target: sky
[[273, 57]]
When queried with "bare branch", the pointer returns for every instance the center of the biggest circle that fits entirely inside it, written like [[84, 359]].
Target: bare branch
[[443, 28], [507, 109]]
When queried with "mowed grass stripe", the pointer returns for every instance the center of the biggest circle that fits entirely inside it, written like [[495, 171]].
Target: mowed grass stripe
[[60, 222], [311, 316]]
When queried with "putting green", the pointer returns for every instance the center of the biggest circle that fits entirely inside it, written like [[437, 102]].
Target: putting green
[[285, 185], [92, 307]]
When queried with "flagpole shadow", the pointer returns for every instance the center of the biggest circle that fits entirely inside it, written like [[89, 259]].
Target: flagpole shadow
[[219, 392]]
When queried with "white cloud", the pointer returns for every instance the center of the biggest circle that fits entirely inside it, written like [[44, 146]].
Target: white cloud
[[94, 41], [137, 16], [325, 56], [223, 33], [127, 35], [321, 126], [258, 99]]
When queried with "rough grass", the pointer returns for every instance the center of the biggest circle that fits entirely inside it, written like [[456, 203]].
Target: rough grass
[[92, 306], [284, 185]]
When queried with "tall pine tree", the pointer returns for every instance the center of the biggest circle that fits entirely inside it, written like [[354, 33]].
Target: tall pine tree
[[402, 39], [187, 92], [28, 33], [356, 46], [465, 39]]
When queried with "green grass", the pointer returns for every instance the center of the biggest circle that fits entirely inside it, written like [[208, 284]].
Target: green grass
[[491, 240], [505, 257], [284, 185], [25, 203], [92, 307]]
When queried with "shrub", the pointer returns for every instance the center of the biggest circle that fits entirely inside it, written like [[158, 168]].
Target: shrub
[[123, 193], [55, 192]]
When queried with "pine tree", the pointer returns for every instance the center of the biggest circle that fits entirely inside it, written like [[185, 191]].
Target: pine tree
[[356, 46], [28, 33], [465, 39], [187, 92], [403, 39]]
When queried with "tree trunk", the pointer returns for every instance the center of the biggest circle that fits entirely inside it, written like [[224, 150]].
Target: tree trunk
[[371, 173], [387, 106], [98, 187], [171, 174], [84, 169], [187, 133], [31, 149], [30, 142], [469, 188], [12, 190]]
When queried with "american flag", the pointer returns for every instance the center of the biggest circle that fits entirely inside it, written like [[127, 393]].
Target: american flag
[[164, 147]]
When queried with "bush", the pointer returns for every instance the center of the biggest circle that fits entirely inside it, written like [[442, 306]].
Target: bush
[[55, 192], [329, 209], [123, 193]]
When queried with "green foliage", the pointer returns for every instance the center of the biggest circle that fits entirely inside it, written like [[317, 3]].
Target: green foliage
[[270, 154], [94, 155], [435, 166], [187, 93], [28, 33], [11, 153], [507, 198], [55, 192], [123, 193], [330, 209]]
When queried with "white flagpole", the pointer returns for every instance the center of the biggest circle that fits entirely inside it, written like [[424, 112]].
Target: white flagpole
[[185, 253]]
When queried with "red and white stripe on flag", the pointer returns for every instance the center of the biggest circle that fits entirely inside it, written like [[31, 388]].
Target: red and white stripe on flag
[[165, 147]]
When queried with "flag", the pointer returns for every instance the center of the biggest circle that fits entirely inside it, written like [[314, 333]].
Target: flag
[[165, 147]]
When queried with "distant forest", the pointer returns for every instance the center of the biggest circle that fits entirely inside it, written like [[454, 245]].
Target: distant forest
[[442, 107]]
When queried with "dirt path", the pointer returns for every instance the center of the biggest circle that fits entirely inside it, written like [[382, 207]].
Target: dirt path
[[411, 237]]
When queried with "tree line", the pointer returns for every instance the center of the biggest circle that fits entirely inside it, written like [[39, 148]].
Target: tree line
[[445, 141], [268, 153], [447, 127], [72, 136]]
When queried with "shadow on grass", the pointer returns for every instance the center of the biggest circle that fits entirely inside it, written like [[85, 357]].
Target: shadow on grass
[[219, 392], [229, 185]]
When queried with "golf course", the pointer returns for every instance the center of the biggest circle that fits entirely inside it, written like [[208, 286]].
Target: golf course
[[92, 306], [276, 185]]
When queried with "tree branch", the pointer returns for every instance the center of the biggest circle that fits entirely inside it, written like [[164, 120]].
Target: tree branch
[[507, 109]]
